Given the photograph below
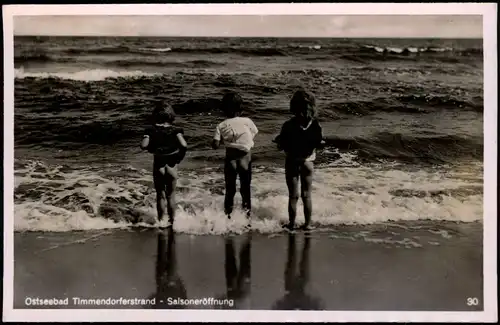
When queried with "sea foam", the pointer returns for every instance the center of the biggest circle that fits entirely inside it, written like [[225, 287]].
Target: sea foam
[[57, 198], [83, 75]]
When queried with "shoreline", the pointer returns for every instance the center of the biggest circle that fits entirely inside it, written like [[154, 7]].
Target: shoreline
[[386, 226]]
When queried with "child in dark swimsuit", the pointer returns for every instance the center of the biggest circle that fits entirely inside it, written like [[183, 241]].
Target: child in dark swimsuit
[[237, 134], [299, 138], [167, 143]]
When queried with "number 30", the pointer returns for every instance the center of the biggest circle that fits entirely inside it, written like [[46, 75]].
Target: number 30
[[472, 301]]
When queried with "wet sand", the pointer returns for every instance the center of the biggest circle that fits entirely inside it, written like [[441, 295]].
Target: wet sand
[[400, 268]]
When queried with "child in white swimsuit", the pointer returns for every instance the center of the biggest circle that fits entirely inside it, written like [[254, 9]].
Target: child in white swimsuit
[[237, 134]]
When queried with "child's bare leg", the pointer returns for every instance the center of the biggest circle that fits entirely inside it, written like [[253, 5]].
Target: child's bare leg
[[170, 186], [161, 199], [245, 174], [292, 182], [230, 176], [306, 177]]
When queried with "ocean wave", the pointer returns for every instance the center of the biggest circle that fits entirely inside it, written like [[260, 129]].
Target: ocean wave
[[119, 124], [32, 88], [97, 50], [432, 148], [344, 51], [63, 198], [33, 57], [20, 60], [415, 50], [169, 50], [83, 75], [190, 64], [417, 104], [368, 53]]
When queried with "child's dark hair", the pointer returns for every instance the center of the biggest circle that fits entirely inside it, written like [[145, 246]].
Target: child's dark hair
[[232, 104], [163, 113], [303, 105]]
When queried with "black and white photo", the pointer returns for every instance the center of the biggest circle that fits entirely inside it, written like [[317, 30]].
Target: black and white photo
[[232, 163]]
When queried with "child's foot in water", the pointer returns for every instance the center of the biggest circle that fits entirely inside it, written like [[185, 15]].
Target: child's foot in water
[[306, 227], [288, 226], [167, 227]]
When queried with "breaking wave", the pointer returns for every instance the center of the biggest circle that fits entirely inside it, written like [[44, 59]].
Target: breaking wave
[[63, 198]]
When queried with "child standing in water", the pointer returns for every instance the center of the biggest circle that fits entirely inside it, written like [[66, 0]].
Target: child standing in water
[[299, 138], [237, 134], [167, 143]]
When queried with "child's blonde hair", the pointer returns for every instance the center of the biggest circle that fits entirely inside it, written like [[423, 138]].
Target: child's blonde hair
[[303, 105]]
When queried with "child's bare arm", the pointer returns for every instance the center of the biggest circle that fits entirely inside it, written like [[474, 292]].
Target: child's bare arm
[[182, 146], [320, 143], [217, 138], [145, 142]]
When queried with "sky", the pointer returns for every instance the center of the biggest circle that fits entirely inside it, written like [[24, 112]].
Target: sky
[[439, 26]]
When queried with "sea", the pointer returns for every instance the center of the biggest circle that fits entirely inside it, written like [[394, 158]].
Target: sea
[[402, 121]]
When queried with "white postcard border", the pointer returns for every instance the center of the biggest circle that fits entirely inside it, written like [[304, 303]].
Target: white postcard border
[[487, 10]]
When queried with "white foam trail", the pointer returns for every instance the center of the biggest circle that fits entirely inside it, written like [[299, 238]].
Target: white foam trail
[[394, 49], [84, 75], [166, 49], [410, 49], [440, 49], [341, 195], [376, 48]]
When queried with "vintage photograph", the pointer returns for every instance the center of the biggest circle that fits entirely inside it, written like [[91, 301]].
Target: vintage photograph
[[248, 162]]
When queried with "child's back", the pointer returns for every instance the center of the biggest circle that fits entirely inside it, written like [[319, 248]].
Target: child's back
[[300, 142], [169, 147], [299, 138], [163, 139], [237, 133]]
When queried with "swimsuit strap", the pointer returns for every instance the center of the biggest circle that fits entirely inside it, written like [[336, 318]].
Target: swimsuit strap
[[307, 127]]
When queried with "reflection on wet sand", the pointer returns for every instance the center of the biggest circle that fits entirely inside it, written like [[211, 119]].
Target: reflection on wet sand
[[169, 285], [238, 279], [296, 297]]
